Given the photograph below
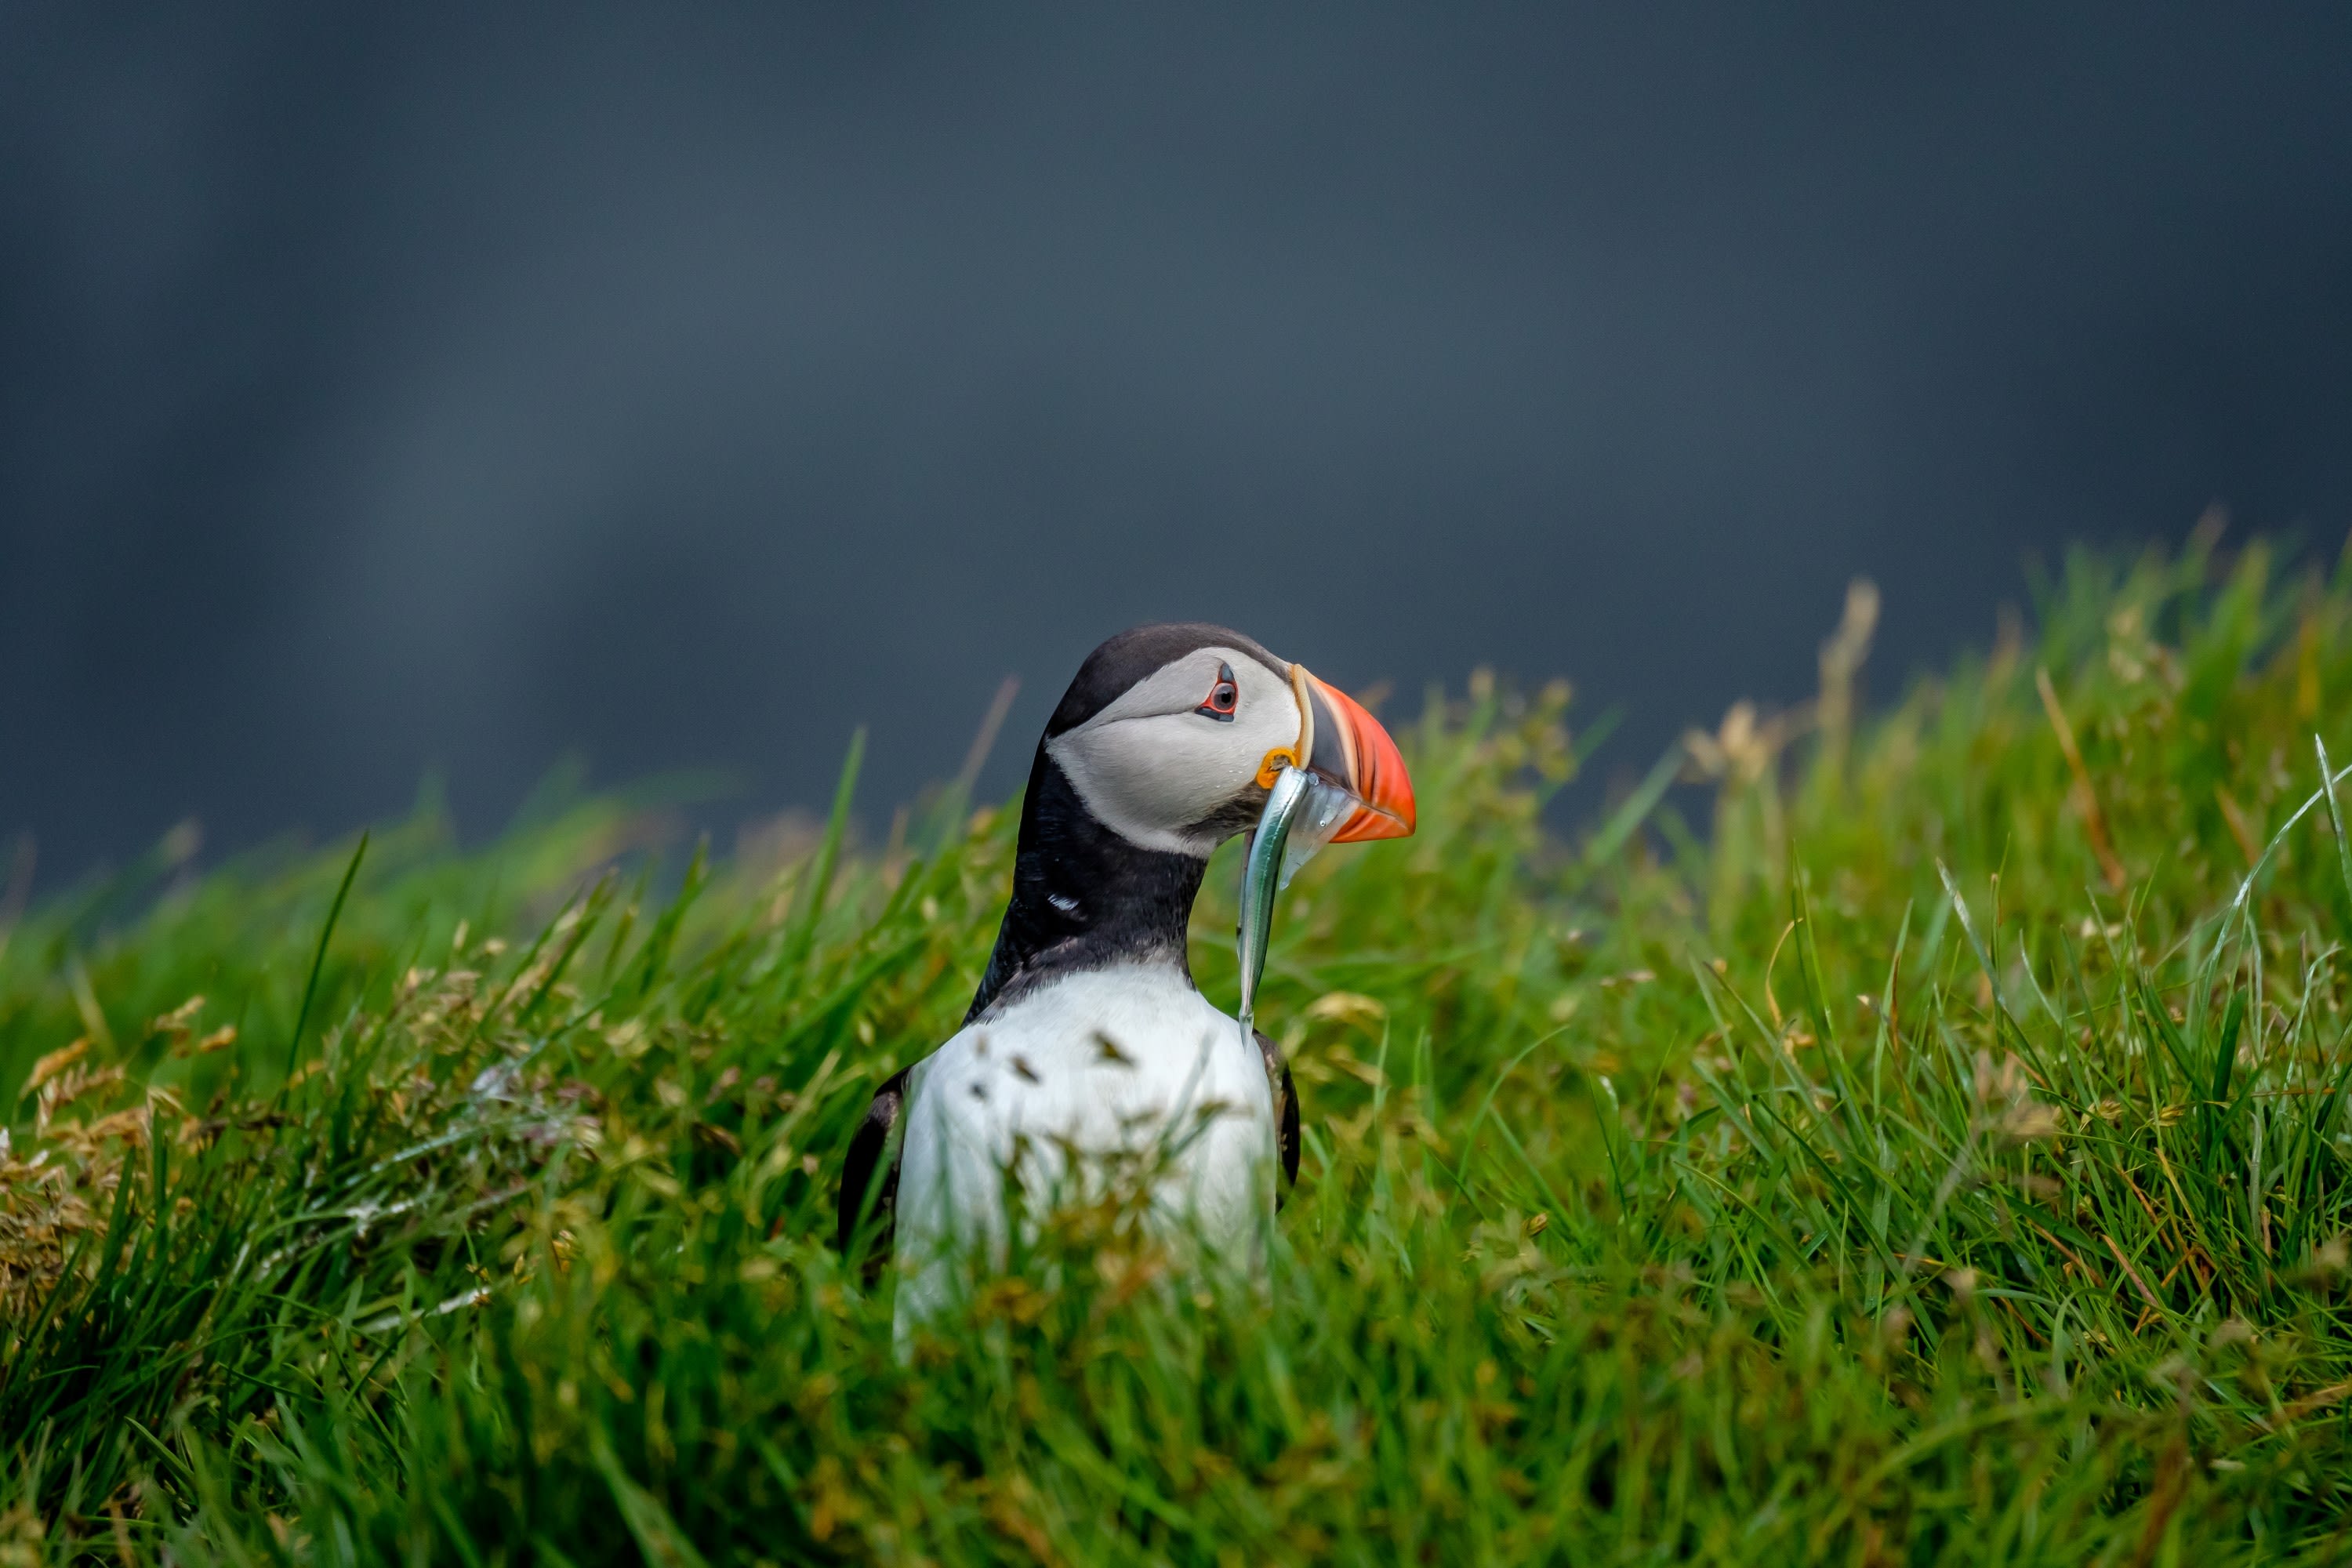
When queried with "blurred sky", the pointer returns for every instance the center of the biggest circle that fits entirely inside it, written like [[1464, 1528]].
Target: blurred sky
[[388, 389]]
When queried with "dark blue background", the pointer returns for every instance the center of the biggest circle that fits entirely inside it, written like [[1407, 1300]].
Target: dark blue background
[[394, 388]]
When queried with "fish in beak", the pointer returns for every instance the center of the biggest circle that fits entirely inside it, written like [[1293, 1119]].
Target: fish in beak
[[1352, 787]]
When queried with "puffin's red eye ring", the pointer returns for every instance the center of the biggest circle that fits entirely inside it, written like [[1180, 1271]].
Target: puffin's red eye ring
[[1223, 696]]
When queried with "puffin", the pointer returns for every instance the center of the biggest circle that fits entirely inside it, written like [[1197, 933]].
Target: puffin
[[1087, 1043]]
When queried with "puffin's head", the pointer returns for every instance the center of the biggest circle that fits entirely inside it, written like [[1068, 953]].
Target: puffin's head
[[1172, 735]]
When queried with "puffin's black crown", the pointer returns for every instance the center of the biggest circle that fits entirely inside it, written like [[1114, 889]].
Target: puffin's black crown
[[1136, 654]]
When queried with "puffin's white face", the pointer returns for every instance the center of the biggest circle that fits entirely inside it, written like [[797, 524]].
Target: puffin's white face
[[1167, 764]]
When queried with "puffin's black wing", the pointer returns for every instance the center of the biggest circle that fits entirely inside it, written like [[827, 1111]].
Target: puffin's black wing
[[871, 1170], [1285, 1113]]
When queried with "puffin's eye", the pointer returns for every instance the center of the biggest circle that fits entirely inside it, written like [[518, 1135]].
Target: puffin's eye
[[1223, 696]]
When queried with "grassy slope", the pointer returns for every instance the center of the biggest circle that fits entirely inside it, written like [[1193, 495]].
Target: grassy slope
[[1770, 1199]]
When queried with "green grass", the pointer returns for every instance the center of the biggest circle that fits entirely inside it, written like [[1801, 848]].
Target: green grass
[[1942, 1157]]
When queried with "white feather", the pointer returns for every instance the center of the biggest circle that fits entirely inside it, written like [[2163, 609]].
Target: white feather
[[1119, 1061]]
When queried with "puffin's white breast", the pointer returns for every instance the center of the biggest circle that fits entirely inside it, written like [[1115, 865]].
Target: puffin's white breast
[[1125, 1061]]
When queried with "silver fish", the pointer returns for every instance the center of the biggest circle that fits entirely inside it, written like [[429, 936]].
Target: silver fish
[[1262, 878]]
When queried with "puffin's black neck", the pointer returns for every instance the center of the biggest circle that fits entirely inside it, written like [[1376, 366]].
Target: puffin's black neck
[[1083, 897]]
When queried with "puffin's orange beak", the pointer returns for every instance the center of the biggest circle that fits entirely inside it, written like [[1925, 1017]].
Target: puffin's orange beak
[[1354, 752]]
